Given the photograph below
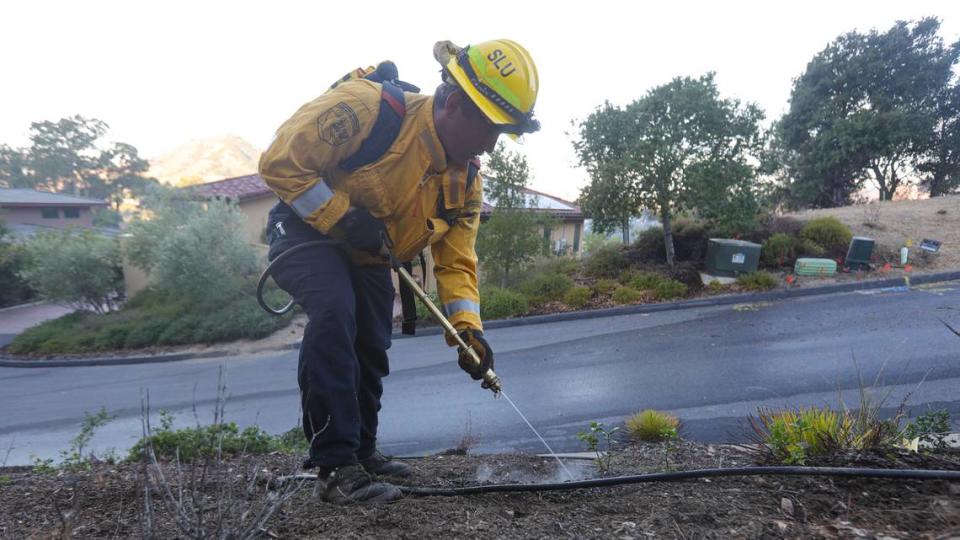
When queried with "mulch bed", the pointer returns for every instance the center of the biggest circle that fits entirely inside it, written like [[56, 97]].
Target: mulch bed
[[108, 501]]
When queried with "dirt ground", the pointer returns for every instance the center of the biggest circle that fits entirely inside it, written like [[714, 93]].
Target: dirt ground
[[109, 501], [892, 223]]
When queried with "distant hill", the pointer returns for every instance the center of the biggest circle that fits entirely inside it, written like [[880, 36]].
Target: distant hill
[[205, 160]]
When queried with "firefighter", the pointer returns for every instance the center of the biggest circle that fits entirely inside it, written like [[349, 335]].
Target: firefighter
[[361, 164]]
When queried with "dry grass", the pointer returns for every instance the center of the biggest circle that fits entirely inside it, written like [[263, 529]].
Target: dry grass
[[891, 223], [651, 425]]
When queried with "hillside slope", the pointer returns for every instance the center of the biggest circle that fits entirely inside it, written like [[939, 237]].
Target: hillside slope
[[893, 223]]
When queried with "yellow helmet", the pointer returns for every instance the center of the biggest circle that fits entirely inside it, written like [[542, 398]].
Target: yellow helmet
[[499, 76]]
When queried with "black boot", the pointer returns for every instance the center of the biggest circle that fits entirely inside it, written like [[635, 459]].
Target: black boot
[[382, 465], [351, 483]]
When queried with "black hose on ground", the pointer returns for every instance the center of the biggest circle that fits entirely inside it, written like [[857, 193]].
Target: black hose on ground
[[266, 273], [901, 474]]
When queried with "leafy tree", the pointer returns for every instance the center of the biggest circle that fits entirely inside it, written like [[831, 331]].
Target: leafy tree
[[941, 164], [509, 239], [12, 261], [75, 266], [611, 198], [865, 108], [68, 156], [679, 147]]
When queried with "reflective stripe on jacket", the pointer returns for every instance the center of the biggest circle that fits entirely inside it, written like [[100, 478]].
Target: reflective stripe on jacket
[[402, 188]]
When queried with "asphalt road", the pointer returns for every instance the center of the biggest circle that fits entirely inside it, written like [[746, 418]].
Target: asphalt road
[[713, 367]]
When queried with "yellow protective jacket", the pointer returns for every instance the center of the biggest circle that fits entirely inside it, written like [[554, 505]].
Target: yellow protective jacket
[[402, 188]]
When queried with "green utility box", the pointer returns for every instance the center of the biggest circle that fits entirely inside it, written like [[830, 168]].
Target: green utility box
[[730, 258], [859, 252], [815, 267]]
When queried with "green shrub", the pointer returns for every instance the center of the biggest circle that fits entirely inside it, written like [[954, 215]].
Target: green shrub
[[931, 427], [13, 259], [829, 233], [606, 262], [793, 437], [757, 281], [668, 289], [577, 297], [195, 252], [809, 248], [779, 250], [605, 286], [497, 303], [649, 247], [150, 321], [627, 276], [653, 426], [77, 267], [546, 288], [716, 287], [646, 281], [626, 295], [690, 238], [189, 444]]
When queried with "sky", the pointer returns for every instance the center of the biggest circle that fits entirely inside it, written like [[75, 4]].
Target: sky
[[164, 73]]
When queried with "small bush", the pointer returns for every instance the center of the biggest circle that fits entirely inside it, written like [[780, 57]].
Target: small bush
[[690, 239], [716, 287], [606, 262], [931, 427], [78, 267], [653, 426], [626, 295], [646, 281], [577, 297], [757, 281], [649, 247], [829, 233], [546, 288], [497, 303], [809, 248], [779, 250], [627, 276], [150, 320], [668, 289], [793, 437], [189, 444], [605, 286]]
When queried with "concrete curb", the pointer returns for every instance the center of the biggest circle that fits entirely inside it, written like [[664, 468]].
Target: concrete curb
[[523, 321], [704, 302]]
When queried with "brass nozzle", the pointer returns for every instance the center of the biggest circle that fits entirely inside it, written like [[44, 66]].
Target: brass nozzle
[[492, 381]]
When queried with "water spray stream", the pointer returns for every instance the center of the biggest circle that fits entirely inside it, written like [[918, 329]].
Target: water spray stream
[[552, 453]]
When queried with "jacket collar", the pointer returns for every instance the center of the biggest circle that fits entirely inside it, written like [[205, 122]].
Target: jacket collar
[[429, 138]]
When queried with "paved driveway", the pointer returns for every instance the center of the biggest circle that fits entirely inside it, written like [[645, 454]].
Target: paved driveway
[[14, 320]]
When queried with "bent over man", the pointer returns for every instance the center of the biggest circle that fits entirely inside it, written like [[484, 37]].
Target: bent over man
[[366, 162]]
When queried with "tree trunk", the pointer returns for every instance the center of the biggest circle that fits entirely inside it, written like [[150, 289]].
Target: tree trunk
[[503, 277], [667, 233], [625, 230]]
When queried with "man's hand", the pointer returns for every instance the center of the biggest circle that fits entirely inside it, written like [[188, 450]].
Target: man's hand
[[362, 231], [474, 339]]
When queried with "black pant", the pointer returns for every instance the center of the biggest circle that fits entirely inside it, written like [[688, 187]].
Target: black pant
[[343, 354]]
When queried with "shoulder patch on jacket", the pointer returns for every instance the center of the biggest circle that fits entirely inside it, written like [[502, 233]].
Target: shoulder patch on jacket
[[338, 125]]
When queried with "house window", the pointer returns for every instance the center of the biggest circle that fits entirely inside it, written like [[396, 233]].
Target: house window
[[50, 213], [71, 213]]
